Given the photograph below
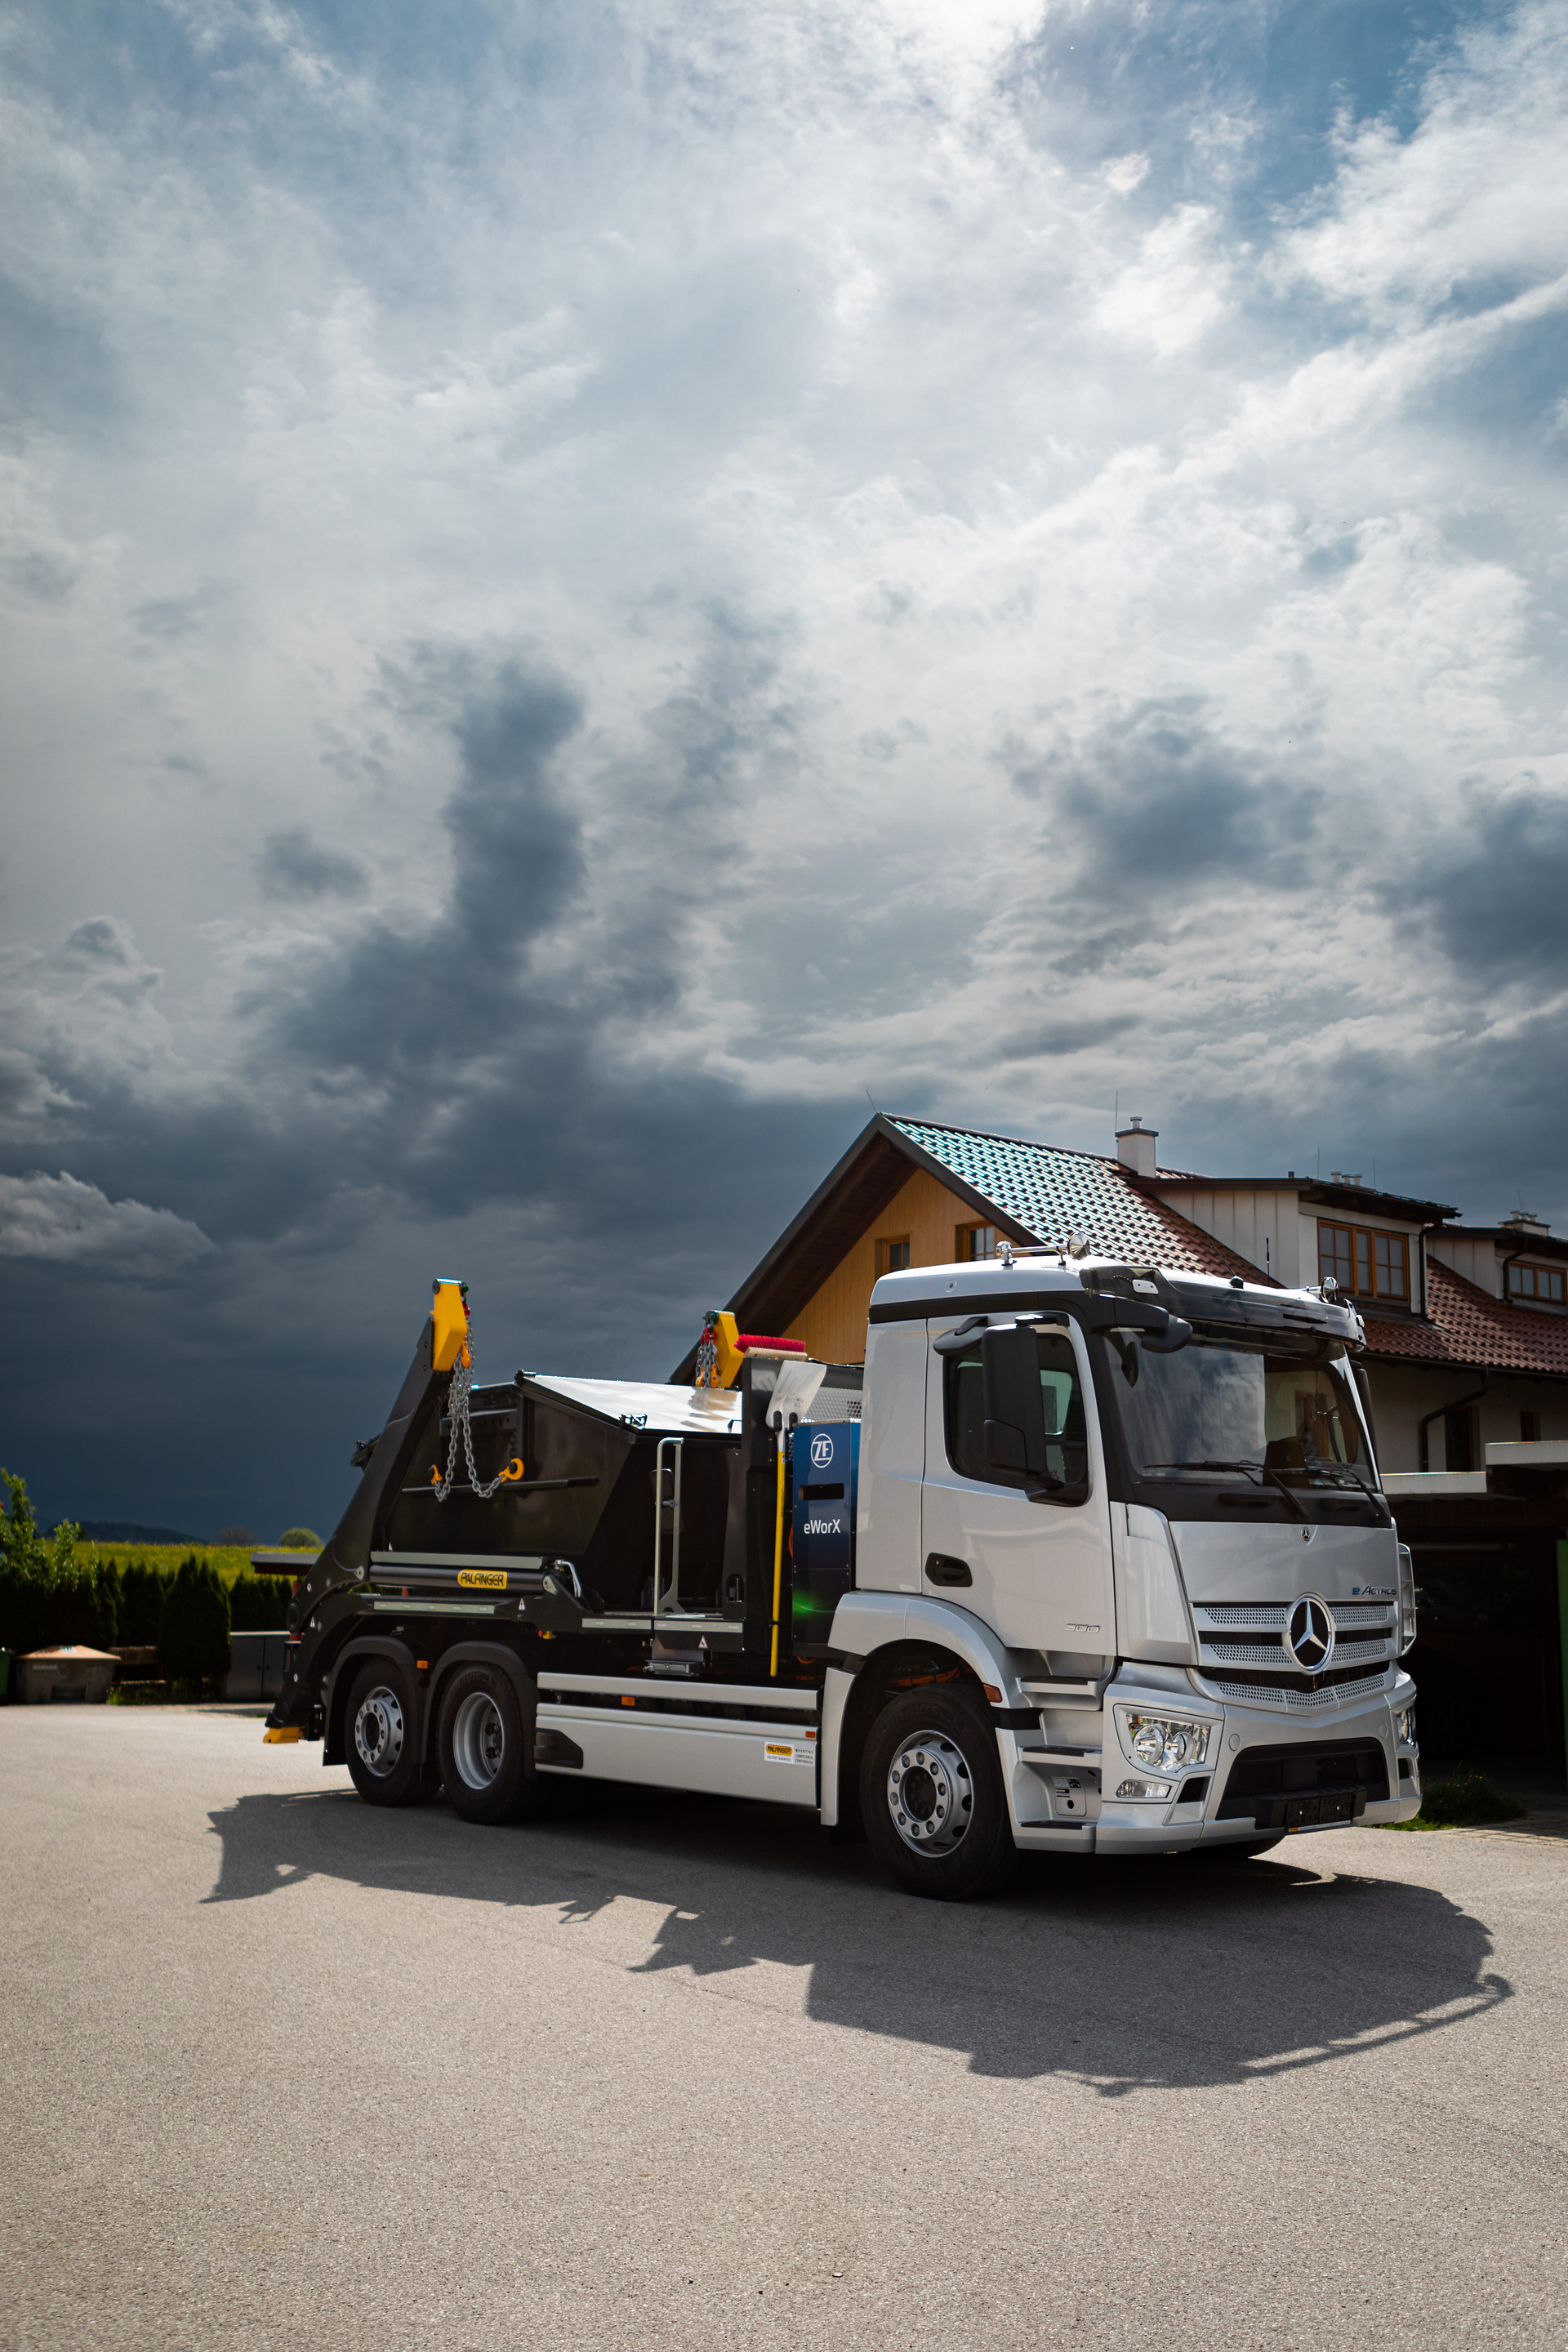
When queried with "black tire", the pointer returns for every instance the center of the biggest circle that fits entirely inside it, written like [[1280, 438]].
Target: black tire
[[931, 1796], [381, 1738], [1244, 1850], [481, 1748]]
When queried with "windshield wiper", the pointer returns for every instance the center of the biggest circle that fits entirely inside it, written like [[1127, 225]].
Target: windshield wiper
[[1262, 1469]]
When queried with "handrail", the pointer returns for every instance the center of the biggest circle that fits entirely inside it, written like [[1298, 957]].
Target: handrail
[[659, 1510]]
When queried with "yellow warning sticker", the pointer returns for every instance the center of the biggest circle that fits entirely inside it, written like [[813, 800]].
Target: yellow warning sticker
[[785, 1752], [487, 1579]]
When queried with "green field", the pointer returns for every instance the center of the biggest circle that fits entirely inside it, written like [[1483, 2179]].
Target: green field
[[229, 1559]]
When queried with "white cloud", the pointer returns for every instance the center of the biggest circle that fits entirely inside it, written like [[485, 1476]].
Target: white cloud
[[1175, 289], [60, 1222]]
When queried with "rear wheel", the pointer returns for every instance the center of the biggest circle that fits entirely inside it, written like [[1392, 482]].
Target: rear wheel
[[931, 1796], [483, 1759], [383, 1743]]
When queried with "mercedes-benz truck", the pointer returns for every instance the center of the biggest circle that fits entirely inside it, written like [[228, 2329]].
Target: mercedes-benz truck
[[1086, 1557]]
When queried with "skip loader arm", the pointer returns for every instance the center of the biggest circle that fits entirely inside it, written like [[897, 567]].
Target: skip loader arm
[[345, 1560]]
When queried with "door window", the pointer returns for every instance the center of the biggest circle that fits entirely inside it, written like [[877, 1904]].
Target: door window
[[1066, 1441]]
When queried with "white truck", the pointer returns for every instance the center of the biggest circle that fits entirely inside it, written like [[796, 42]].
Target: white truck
[[1087, 1558]]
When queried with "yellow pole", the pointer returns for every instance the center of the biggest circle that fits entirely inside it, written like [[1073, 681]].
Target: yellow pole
[[778, 1549]]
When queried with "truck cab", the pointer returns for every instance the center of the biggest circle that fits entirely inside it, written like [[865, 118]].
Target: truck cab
[[1182, 1572]]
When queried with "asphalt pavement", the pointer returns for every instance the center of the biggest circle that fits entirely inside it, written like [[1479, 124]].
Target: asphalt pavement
[[283, 2072]]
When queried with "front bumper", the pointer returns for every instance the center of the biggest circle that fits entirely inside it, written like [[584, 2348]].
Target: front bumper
[[1114, 1825]]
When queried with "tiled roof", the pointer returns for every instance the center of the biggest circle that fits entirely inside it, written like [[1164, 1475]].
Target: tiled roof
[[1472, 1330], [1054, 1194]]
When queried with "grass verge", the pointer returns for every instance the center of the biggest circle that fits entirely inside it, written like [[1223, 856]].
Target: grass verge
[[1465, 1800]]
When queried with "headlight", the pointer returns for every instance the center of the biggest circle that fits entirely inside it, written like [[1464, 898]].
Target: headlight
[[1161, 1744], [1404, 1726]]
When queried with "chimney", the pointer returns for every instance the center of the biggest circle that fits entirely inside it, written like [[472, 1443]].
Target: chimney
[[1135, 1146], [1523, 1222]]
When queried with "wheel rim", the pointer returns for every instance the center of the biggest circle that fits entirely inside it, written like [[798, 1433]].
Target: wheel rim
[[478, 1741], [930, 1792], [378, 1732]]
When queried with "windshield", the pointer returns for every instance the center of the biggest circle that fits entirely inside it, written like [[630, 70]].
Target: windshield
[[1279, 1412]]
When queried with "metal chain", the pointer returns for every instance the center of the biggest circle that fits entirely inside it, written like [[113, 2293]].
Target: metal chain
[[458, 1406], [707, 1358]]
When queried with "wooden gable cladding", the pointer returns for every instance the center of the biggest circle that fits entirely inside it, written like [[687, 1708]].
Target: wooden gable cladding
[[814, 1284], [832, 1325], [795, 1270]]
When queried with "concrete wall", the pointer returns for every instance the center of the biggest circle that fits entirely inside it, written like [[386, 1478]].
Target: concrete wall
[[1401, 1393]]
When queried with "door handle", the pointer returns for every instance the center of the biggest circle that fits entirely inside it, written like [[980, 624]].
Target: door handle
[[943, 1569]]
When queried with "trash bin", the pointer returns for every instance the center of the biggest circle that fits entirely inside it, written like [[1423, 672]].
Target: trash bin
[[5, 1673], [69, 1671]]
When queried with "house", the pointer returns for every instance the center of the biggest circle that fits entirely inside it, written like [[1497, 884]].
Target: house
[[1466, 1353]]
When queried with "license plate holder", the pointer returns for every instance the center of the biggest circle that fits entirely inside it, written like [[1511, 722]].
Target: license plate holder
[[1327, 1809]]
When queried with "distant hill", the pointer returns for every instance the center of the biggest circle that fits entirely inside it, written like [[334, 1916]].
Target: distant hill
[[127, 1531]]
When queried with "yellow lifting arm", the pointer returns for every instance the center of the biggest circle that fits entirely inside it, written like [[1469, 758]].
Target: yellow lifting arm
[[450, 1314]]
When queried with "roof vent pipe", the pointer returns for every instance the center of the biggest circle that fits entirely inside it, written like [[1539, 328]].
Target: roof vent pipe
[[1135, 1146]]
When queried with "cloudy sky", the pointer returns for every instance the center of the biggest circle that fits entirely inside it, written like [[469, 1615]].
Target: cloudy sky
[[587, 587]]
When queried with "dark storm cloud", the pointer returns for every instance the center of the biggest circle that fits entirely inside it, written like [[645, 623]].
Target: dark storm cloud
[[408, 1076], [294, 867], [1055, 1037], [1493, 892], [1159, 805], [396, 1002]]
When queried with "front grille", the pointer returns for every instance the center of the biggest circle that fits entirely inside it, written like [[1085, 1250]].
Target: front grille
[[1242, 1652], [1277, 1690], [1283, 1787], [1294, 1680]]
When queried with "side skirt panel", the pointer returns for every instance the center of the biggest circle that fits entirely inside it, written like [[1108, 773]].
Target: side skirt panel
[[774, 1762]]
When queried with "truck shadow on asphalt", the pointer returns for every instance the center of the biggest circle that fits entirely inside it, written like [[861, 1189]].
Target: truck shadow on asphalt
[[1149, 1975]]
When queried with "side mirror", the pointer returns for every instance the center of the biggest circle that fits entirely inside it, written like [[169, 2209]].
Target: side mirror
[[1015, 1406], [1165, 1343]]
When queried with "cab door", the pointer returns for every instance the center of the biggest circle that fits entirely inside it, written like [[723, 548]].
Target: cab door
[[1038, 1572]]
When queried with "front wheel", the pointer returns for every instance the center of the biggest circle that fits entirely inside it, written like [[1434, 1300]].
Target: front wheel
[[481, 1746], [931, 1796]]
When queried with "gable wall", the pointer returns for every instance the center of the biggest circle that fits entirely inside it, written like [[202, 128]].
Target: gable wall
[[1261, 1224], [832, 1326]]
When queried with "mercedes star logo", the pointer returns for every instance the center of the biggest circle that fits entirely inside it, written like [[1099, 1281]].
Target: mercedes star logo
[[1310, 1634]]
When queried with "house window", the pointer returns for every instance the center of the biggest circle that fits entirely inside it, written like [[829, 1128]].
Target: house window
[[975, 1240], [1369, 1263], [1544, 1282], [893, 1253], [1530, 1429]]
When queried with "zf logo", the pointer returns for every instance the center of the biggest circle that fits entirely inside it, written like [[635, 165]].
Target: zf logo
[[821, 1451]]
